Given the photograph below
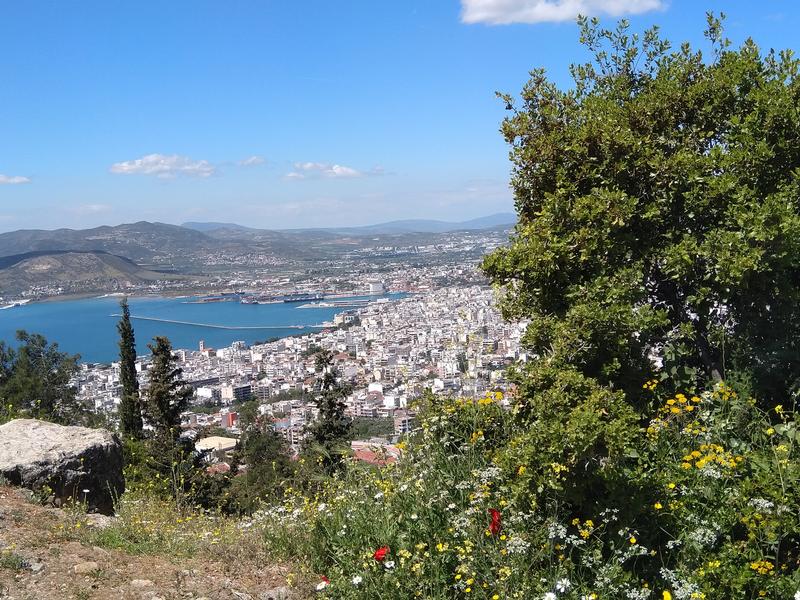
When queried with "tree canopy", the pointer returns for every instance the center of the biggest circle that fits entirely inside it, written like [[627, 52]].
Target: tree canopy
[[36, 380], [328, 434], [659, 215], [167, 395]]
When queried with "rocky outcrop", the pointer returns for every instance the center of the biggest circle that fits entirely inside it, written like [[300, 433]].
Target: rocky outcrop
[[63, 462]]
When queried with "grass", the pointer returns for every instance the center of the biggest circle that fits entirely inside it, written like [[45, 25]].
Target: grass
[[12, 561]]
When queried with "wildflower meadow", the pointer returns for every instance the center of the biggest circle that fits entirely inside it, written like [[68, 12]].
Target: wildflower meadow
[[701, 502]]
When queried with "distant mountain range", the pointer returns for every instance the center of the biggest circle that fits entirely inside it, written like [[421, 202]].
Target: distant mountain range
[[388, 228], [144, 251]]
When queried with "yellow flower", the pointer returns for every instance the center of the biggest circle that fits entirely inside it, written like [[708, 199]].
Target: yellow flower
[[665, 595], [762, 567], [632, 540], [657, 506]]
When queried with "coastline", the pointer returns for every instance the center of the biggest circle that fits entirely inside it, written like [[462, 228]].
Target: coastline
[[190, 328], [170, 294]]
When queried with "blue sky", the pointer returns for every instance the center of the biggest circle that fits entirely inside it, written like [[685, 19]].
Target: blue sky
[[288, 113]]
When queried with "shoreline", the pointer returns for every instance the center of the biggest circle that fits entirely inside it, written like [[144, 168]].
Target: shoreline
[[172, 294], [289, 331]]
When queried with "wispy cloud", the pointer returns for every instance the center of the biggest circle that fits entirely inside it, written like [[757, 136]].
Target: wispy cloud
[[504, 12], [90, 209], [310, 169], [13, 179], [303, 170], [252, 161], [165, 166]]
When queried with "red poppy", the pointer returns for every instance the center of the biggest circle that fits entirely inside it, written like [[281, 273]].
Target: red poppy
[[494, 526], [381, 553]]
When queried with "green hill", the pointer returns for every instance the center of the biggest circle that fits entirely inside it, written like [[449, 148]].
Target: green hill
[[91, 270]]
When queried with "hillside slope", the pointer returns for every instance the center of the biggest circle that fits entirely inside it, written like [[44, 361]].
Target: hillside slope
[[141, 242], [90, 270], [40, 559]]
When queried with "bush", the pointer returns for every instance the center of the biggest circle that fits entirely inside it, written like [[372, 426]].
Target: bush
[[697, 498]]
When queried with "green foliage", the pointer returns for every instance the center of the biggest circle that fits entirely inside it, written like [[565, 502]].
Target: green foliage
[[170, 469], [328, 435], [701, 503], [269, 468], [12, 561], [130, 410], [659, 214], [363, 428], [35, 381], [167, 395]]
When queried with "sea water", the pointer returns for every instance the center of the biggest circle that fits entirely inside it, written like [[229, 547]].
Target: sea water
[[88, 327]]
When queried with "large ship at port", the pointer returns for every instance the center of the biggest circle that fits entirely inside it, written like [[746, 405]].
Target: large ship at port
[[268, 299]]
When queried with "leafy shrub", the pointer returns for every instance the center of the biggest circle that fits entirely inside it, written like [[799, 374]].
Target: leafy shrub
[[696, 497]]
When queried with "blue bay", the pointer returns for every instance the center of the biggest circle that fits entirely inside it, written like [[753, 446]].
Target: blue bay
[[88, 327]]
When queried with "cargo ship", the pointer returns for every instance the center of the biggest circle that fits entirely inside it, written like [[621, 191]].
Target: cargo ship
[[265, 299]]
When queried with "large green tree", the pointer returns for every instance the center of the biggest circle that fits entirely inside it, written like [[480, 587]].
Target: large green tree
[[659, 216], [130, 409], [36, 379], [167, 394]]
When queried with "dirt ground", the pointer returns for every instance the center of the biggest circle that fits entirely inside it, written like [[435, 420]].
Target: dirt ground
[[35, 564]]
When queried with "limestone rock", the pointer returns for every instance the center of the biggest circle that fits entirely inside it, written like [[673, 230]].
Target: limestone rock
[[278, 593], [85, 568], [67, 462]]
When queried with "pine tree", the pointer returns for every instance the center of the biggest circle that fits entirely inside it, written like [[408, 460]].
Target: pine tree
[[329, 433], [36, 379], [167, 394], [130, 409]]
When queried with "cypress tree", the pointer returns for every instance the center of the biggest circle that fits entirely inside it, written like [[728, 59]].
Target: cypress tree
[[130, 409]]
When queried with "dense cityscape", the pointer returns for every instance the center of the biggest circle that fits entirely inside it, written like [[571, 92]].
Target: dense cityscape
[[450, 340]]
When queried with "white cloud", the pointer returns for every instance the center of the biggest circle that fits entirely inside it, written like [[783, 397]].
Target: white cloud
[[252, 161], [13, 179], [90, 209], [504, 12], [164, 166], [306, 169]]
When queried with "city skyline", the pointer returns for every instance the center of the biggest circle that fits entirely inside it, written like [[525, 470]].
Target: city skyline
[[282, 115]]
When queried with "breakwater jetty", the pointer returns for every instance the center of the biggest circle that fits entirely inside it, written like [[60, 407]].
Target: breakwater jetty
[[214, 326]]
